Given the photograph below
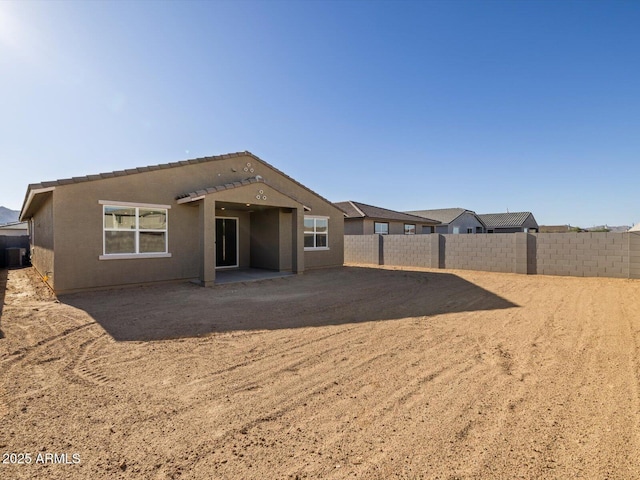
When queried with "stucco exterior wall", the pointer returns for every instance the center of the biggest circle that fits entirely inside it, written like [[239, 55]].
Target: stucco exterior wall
[[395, 227], [354, 226], [265, 236], [286, 239], [42, 241], [464, 221]]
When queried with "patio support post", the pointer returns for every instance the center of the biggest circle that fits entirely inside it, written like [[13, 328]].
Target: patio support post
[[208, 241], [297, 235]]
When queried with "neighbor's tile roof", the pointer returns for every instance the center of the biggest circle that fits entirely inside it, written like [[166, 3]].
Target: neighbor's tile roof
[[362, 210], [443, 215], [511, 219]]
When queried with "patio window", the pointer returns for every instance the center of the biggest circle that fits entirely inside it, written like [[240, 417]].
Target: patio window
[[316, 233], [381, 227], [134, 231]]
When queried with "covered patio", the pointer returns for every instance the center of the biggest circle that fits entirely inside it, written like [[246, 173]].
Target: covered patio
[[249, 230]]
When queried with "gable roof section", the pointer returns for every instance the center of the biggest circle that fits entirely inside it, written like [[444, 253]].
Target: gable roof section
[[635, 228], [442, 215], [36, 188], [511, 219], [198, 194], [362, 210]]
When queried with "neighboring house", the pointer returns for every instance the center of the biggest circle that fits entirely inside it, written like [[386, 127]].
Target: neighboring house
[[453, 220], [178, 221], [15, 229], [635, 228], [363, 219], [14, 244], [511, 222]]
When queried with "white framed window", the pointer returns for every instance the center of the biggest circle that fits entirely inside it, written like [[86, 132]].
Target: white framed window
[[134, 230], [409, 229], [316, 233], [469, 230], [381, 227]]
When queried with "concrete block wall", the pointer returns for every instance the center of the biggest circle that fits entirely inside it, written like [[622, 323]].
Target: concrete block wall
[[634, 254], [485, 252], [595, 254], [362, 249], [407, 250]]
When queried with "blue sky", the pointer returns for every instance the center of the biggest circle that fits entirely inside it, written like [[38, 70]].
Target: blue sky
[[486, 105]]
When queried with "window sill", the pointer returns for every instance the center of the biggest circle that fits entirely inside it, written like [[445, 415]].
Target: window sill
[[315, 249], [131, 256]]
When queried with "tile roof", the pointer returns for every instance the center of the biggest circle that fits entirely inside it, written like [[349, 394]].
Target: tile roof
[[133, 171], [219, 188], [511, 219], [185, 197], [150, 168], [635, 228], [443, 215], [362, 210]]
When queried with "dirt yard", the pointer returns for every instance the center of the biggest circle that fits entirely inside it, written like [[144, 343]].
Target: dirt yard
[[342, 373]]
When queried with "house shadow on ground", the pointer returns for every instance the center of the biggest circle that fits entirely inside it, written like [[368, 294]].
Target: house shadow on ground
[[318, 298]]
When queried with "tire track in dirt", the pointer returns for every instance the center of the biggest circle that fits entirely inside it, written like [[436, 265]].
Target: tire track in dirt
[[22, 352], [323, 390], [576, 366], [81, 369]]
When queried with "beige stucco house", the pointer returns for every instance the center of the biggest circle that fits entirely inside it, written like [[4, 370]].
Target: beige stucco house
[[178, 221]]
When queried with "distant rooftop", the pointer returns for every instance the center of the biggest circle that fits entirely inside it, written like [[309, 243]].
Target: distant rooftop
[[442, 215], [510, 219], [362, 210]]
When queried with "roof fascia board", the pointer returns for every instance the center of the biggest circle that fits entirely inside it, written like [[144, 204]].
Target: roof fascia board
[[357, 209], [190, 199], [29, 199]]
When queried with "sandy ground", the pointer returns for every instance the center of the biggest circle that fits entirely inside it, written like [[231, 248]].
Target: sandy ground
[[344, 373]]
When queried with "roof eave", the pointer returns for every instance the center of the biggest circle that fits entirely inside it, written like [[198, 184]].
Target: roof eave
[[31, 193]]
